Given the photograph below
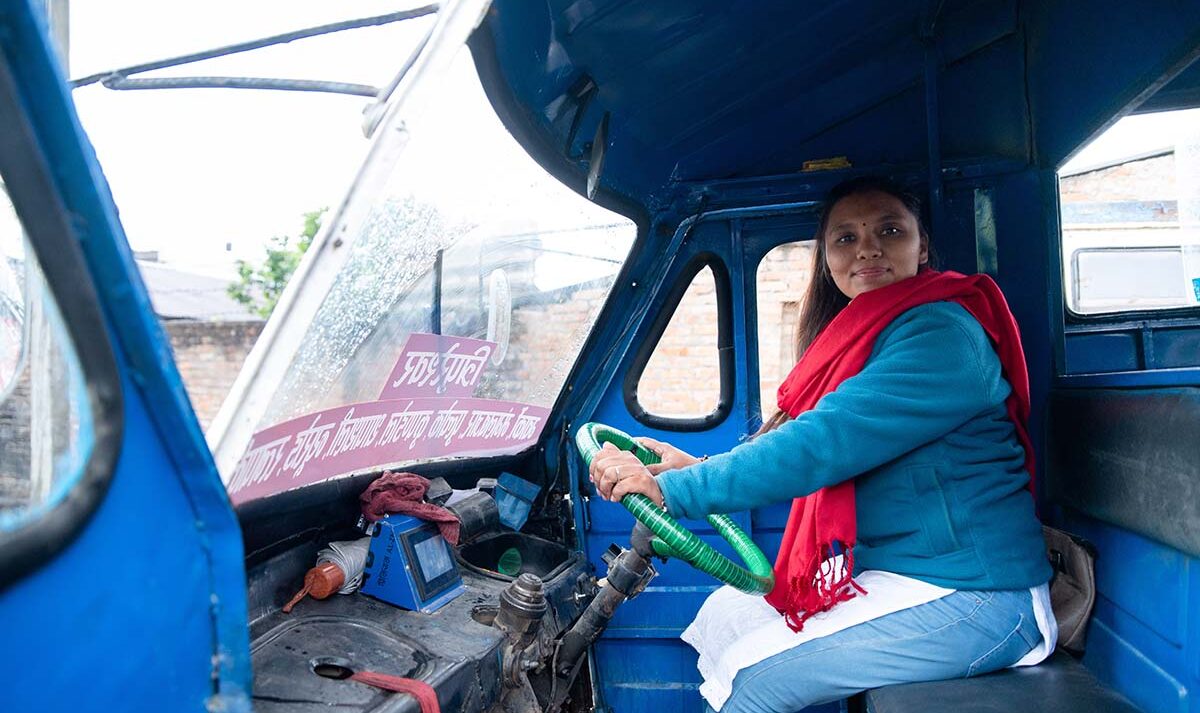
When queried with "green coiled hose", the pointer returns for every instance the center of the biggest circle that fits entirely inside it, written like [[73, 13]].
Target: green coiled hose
[[674, 540]]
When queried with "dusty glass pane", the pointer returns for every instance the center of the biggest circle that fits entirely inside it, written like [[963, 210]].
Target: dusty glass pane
[[473, 280], [469, 190], [683, 377], [1110, 279], [45, 417]]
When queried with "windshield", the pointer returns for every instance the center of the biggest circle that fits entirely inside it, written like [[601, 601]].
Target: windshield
[[472, 281]]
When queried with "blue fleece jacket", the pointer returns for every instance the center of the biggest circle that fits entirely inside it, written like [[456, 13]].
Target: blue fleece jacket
[[941, 491]]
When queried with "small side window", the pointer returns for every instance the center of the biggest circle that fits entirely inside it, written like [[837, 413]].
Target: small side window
[[783, 277], [45, 414], [685, 379], [60, 397], [1130, 204], [1110, 279]]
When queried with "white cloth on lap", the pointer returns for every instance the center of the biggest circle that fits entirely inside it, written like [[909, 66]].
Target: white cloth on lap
[[734, 630]]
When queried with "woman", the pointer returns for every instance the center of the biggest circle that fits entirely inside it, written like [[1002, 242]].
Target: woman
[[901, 434]]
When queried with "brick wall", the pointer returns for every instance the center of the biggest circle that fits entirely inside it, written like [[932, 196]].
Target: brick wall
[[209, 356], [540, 332], [682, 378], [783, 276], [14, 445]]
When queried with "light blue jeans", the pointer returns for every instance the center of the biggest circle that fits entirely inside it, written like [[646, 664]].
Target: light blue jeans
[[963, 634]]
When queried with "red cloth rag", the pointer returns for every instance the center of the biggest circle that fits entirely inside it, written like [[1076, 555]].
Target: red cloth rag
[[423, 692], [402, 493], [826, 518]]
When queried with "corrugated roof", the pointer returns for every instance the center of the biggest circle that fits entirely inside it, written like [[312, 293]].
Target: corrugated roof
[[1117, 161], [177, 294]]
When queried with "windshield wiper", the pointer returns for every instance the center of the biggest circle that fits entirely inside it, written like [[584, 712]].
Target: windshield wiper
[[120, 78]]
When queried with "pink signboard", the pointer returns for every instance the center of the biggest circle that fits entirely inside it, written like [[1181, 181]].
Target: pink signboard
[[367, 436], [438, 365]]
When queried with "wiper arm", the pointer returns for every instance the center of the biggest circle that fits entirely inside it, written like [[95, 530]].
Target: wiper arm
[[119, 78], [291, 85]]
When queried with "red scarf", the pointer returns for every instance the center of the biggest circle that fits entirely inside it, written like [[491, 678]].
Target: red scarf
[[826, 518]]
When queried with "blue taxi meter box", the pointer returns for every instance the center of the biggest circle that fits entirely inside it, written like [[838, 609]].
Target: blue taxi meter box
[[410, 565]]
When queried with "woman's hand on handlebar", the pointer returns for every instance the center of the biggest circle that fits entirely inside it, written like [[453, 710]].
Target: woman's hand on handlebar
[[643, 483], [617, 473], [671, 457]]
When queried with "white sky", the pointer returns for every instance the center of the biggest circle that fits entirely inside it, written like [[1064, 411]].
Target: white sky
[[1137, 134], [194, 169]]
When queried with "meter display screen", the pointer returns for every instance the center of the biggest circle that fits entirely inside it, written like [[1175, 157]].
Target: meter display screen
[[434, 557], [430, 561]]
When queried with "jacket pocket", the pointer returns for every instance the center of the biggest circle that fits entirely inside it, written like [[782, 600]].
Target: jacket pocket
[[933, 509]]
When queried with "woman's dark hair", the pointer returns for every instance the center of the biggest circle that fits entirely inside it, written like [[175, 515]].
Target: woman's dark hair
[[823, 300]]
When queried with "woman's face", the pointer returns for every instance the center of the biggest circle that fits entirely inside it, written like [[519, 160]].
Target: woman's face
[[872, 240]]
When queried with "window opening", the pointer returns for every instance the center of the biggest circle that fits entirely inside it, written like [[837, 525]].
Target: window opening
[[1130, 206], [682, 379], [783, 277]]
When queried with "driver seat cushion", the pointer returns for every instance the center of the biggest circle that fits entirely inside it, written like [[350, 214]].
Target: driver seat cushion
[[1058, 685]]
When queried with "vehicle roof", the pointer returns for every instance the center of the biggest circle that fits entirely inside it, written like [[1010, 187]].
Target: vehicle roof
[[699, 91]]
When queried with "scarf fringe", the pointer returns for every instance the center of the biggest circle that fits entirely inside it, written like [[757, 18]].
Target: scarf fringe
[[832, 585]]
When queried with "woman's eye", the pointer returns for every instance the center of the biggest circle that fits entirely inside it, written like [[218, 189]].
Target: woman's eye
[[845, 238], [890, 230]]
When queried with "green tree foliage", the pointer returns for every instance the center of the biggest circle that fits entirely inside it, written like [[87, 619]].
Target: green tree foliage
[[259, 286]]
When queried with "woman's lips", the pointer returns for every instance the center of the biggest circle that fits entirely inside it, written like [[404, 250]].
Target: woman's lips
[[871, 272]]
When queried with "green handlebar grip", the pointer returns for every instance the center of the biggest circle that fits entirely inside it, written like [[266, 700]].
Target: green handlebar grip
[[674, 540]]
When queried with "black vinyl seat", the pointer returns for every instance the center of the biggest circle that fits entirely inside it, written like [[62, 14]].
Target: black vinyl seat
[[1058, 685]]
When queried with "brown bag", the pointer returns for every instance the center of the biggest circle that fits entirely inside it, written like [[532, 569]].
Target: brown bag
[[1073, 588]]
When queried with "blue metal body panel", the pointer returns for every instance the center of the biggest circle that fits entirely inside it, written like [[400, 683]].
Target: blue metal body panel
[[1090, 353], [710, 90], [126, 612], [154, 586], [662, 611], [1142, 638], [1090, 62], [1149, 345], [1134, 379]]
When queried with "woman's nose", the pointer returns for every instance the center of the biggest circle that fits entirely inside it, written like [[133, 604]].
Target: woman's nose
[[868, 247]]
